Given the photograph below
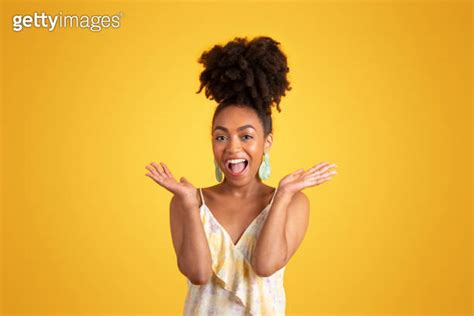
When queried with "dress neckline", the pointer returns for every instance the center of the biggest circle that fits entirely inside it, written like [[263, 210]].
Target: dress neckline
[[236, 245]]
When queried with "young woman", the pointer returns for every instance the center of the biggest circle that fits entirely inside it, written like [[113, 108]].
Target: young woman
[[233, 240]]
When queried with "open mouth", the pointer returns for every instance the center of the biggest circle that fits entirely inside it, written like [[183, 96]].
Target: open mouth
[[237, 167]]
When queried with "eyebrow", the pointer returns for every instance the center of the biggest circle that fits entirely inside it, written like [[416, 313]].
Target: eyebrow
[[239, 129]]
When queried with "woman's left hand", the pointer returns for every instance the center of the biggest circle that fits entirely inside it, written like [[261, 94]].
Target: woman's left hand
[[301, 179]]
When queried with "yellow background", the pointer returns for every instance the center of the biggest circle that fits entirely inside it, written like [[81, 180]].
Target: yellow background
[[383, 89]]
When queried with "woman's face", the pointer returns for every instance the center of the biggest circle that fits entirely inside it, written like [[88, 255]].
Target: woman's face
[[238, 134]]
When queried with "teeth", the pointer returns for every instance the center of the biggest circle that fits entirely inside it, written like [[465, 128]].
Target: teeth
[[235, 160]]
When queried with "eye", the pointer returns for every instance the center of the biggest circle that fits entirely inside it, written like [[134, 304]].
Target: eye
[[250, 137], [218, 138]]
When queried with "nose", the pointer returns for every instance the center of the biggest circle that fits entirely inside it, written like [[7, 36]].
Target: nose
[[234, 146]]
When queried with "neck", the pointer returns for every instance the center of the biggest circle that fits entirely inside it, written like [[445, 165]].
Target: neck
[[244, 190]]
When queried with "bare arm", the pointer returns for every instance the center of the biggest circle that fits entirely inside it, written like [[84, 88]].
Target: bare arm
[[287, 221], [189, 239], [271, 249], [190, 242]]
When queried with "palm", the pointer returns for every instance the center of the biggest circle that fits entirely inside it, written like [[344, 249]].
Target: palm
[[301, 179], [163, 176]]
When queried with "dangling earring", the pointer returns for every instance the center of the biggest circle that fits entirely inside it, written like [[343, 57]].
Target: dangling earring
[[218, 172], [264, 171]]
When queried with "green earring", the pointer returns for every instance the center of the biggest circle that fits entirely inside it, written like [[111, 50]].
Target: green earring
[[264, 171], [218, 172]]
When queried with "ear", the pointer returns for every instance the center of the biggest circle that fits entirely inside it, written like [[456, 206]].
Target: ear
[[268, 142]]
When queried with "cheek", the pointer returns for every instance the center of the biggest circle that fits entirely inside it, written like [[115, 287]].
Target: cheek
[[255, 151], [254, 148], [216, 152], [217, 149]]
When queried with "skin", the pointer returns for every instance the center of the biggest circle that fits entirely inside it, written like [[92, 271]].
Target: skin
[[248, 143], [237, 200]]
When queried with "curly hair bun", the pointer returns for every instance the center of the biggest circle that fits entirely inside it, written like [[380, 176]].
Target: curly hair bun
[[246, 72]]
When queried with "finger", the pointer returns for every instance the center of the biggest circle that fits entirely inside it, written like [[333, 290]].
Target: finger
[[299, 171], [153, 177], [157, 176], [324, 180], [161, 181], [313, 171], [320, 168], [326, 174], [320, 180], [158, 169], [325, 168], [316, 178], [152, 170], [315, 182], [295, 174], [315, 168], [320, 165], [153, 165], [167, 170]]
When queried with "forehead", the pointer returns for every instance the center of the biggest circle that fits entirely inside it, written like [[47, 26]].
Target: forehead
[[233, 117]]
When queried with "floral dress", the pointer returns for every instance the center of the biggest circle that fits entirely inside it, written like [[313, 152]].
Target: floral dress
[[234, 288]]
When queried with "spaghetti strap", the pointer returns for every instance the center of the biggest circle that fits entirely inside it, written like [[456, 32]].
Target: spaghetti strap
[[202, 197], [274, 193]]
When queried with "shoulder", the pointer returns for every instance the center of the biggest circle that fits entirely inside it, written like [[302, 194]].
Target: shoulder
[[300, 197], [300, 200], [207, 193], [298, 208], [175, 202]]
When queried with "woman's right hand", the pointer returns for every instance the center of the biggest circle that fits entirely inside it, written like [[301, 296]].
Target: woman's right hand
[[183, 189]]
